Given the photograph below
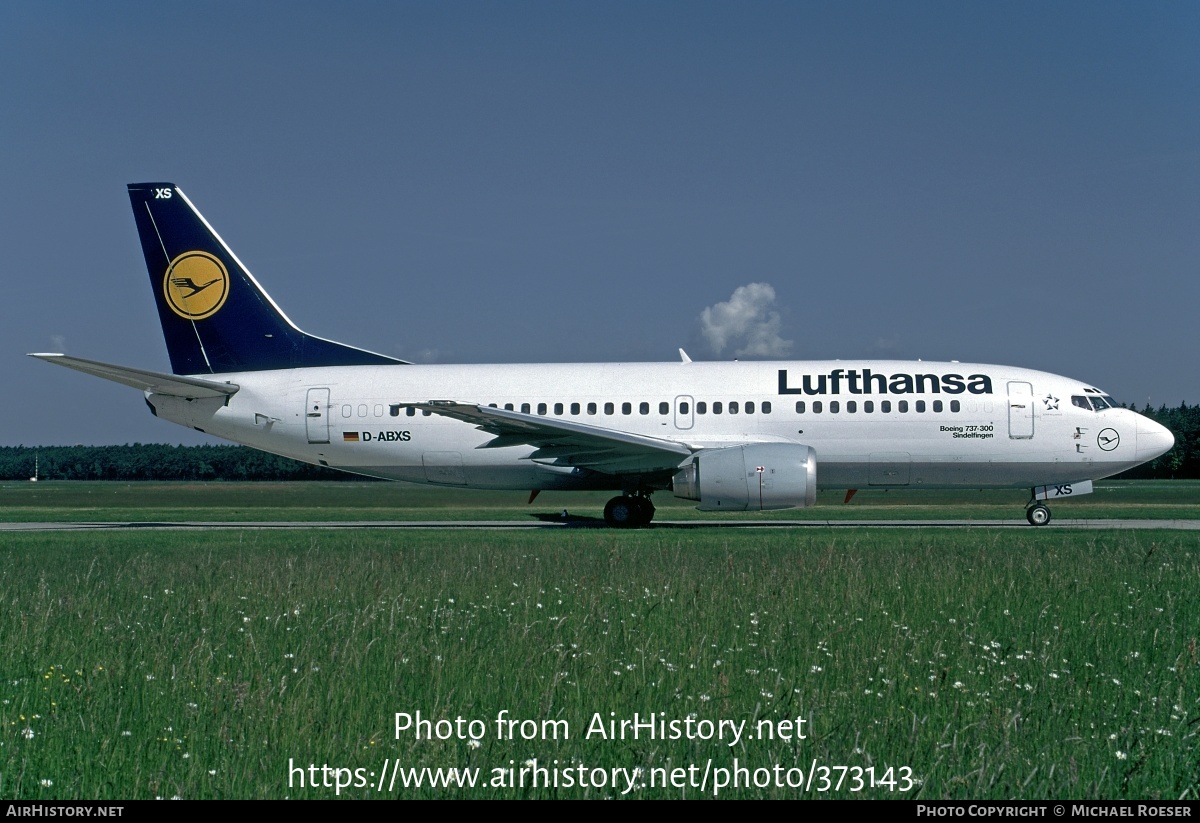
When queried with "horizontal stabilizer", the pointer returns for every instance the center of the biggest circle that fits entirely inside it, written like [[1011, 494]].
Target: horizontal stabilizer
[[151, 381]]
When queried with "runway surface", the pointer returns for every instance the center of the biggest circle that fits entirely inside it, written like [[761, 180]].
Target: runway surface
[[596, 523]]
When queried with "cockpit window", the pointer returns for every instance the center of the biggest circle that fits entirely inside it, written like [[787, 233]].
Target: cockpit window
[[1094, 402]]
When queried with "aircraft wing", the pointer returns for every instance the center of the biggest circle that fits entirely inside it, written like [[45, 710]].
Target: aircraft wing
[[169, 384], [559, 442]]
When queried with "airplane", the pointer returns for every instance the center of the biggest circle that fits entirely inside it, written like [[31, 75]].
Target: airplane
[[731, 436]]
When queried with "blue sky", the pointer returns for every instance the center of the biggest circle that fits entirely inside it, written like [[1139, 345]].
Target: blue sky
[[1009, 183]]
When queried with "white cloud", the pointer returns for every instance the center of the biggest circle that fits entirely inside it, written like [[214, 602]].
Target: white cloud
[[745, 318]]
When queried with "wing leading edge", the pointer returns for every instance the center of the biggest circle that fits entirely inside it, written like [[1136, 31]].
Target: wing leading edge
[[563, 442]]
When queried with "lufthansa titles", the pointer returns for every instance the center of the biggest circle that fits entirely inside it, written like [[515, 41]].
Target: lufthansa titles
[[866, 381]]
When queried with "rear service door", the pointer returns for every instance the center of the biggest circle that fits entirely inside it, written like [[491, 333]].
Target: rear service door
[[316, 415]]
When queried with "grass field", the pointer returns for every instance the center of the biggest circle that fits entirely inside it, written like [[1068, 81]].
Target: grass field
[[972, 663], [142, 502]]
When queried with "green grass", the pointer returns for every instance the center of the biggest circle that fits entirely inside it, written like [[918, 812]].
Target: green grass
[[992, 663], [148, 501]]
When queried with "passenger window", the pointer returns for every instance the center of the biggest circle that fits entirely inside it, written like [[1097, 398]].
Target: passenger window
[[410, 411], [902, 406], [733, 407], [346, 410], [701, 407], [885, 406], [541, 408], [851, 406], [591, 408], [626, 408], [920, 406], [868, 406], [508, 406], [717, 408], [524, 408], [643, 407], [558, 408], [362, 409], [816, 407], [664, 408], [766, 407], [799, 407], [937, 405], [394, 411], [749, 407], [834, 407], [955, 406], [609, 408], [683, 407], [574, 408]]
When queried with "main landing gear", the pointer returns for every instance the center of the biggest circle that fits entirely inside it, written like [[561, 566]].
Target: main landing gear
[[1038, 514], [629, 511]]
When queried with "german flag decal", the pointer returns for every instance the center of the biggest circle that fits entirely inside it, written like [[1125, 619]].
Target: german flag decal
[[349, 437]]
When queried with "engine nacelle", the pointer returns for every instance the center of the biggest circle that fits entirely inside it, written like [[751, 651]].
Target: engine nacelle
[[756, 477]]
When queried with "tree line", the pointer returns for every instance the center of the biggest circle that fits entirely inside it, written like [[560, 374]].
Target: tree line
[[153, 461], [1183, 461]]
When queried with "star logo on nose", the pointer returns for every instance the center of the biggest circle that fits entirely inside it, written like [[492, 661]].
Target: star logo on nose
[[1051, 402]]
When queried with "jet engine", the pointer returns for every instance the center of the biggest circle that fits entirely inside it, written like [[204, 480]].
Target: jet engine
[[754, 477]]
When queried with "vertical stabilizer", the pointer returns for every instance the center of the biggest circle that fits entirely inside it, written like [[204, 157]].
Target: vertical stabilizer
[[215, 317]]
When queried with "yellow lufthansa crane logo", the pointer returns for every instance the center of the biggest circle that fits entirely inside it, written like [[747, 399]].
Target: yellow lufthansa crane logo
[[196, 285]]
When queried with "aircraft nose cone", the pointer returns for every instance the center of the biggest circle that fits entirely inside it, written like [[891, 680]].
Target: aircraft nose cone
[[1152, 439]]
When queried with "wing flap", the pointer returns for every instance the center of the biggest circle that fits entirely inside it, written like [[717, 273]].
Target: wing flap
[[564, 442], [151, 381]]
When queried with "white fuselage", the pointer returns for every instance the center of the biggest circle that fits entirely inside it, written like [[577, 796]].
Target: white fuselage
[[871, 423]]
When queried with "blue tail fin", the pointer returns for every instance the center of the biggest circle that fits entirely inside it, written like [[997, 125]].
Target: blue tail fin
[[215, 316]]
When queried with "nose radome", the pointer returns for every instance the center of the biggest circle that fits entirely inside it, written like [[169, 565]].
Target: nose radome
[[1152, 439]]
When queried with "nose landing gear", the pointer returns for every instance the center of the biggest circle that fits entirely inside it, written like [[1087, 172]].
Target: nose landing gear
[[1038, 514], [629, 511]]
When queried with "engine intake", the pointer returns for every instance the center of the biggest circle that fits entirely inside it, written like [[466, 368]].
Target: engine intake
[[756, 477]]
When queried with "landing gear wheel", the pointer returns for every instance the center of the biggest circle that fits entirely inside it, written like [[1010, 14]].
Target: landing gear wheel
[[628, 512], [645, 511], [622, 512], [1037, 515]]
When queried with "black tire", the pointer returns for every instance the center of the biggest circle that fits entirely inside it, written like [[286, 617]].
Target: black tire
[[622, 513], [645, 511], [1037, 515]]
